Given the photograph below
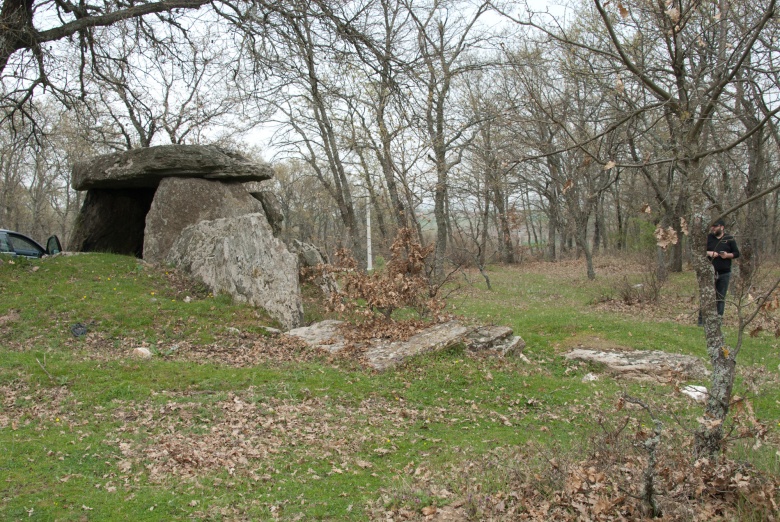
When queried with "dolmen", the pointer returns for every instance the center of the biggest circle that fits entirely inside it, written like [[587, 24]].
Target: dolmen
[[190, 206]]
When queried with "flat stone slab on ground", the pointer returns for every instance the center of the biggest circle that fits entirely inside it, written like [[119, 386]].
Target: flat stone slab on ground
[[644, 365], [438, 337], [324, 335], [381, 354]]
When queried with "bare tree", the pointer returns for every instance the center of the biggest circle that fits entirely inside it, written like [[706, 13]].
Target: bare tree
[[445, 34], [489, 153], [699, 53], [35, 196], [37, 35]]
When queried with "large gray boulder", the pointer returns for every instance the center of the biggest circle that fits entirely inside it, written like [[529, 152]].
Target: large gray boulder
[[181, 202], [146, 167], [239, 256]]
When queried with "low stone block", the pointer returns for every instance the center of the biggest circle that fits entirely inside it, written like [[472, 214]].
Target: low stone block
[[644, 365], [381, 354]]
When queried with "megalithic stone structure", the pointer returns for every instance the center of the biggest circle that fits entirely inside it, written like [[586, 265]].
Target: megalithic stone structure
[[139, 203]]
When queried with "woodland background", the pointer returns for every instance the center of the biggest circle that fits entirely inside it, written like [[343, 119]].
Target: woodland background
[[497, 131]]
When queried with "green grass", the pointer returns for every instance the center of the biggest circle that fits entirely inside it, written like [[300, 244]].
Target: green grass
[[89, 432]]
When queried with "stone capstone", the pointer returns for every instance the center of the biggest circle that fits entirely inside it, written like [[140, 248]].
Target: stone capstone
[[644, 365], [382, 354], [146, 167], [112, 221], [239, 256], [179, 203]]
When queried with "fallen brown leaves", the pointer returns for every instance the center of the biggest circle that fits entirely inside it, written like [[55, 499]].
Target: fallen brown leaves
[[379, 328], [180, 285], [515, 484], [245, 350], [23, 405], [249, 435], [9, 318], [246, 436], [230, 347]]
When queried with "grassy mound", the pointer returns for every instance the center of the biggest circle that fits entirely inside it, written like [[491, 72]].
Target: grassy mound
[[228, 422]]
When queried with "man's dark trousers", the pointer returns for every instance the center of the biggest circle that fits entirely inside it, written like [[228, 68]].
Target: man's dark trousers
[[721, 287]]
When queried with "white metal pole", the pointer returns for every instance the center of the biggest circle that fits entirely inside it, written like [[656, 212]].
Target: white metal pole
[[369, 261]]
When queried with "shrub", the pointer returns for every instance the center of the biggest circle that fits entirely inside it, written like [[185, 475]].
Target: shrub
[[403, 283]]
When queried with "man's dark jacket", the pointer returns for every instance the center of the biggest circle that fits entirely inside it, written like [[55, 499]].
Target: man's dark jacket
[[725, 244]]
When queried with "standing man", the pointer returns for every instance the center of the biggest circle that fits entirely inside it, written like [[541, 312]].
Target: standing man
[[721, 249]]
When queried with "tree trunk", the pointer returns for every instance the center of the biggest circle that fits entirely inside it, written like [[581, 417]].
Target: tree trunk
[[599, 235], [440, 214], [676, 261], [481, 255], [505, 234], [581, 238], [709, 436], [756, 221]]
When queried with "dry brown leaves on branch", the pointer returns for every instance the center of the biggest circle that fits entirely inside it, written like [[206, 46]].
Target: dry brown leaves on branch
[[402, 284], [665, 237]]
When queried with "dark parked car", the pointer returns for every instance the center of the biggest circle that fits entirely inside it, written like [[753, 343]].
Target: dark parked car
[[16, 244]]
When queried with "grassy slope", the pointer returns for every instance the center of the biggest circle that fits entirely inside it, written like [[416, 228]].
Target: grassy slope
[[259, 432]]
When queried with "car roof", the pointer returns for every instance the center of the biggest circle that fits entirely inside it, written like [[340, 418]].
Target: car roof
[[5, 231]]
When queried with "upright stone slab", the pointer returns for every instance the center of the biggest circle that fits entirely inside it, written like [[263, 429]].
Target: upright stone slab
[[239, 256], [148, 166], [180, 203]]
